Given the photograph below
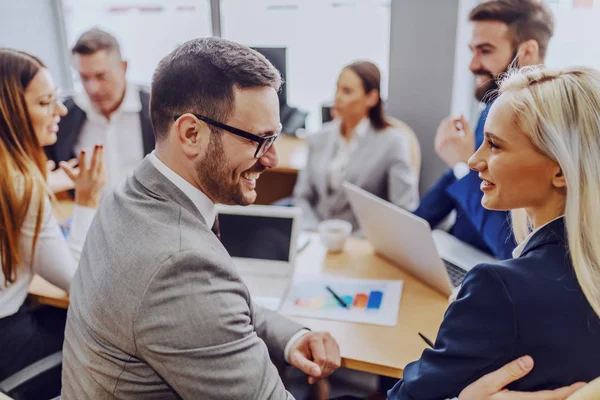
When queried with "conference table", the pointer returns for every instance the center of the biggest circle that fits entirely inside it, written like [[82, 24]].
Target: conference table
[[372, 348]]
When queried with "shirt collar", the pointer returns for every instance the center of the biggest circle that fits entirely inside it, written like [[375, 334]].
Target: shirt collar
[[200, 200], [131, 102], [360, 129], [519, 249]]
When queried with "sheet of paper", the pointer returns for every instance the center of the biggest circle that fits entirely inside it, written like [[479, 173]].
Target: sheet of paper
[[370, 301]]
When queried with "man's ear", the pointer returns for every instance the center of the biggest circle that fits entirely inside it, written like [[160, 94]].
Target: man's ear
[[192, 134], [528, 53]]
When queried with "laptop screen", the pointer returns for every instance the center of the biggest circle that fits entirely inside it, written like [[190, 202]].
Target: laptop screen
[[252, 236]]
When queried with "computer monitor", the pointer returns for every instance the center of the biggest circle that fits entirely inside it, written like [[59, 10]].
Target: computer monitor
[[277, 57]]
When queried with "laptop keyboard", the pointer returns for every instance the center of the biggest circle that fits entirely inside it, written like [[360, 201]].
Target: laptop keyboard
[[456, 273]]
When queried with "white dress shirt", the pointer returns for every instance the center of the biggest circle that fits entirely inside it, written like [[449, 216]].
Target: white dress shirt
[[207, 210], [121, 135], [55, 258], [343, 151]]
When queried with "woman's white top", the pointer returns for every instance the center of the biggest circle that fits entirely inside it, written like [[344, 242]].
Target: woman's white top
[[55, 258], [343, 151]]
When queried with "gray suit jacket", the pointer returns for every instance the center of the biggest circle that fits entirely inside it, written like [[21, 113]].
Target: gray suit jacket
[[380, 165], [158, 310]]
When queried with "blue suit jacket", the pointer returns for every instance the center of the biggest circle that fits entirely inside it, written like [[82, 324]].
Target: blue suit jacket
[[531, 305], [487, 230]]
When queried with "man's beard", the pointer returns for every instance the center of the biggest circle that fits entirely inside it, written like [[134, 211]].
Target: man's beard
[[214, 174], [488, 91]]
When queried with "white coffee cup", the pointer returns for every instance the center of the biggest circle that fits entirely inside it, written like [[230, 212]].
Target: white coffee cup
[[334, 233]]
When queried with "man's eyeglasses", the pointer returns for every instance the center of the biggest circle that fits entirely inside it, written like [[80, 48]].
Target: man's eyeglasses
[[264, 142]]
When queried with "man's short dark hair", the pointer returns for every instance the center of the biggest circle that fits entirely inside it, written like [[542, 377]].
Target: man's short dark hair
[[95, 40], [200, 76], [526, 20]]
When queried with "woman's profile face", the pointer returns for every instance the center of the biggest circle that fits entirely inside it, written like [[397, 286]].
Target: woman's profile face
[[44, 108], [514, 173], [351, 101]]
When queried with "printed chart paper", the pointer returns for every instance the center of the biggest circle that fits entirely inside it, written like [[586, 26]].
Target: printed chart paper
[[370, 301]]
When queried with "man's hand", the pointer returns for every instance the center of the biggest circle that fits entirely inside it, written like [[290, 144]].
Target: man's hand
[[317, 354], [491, 386], [58, 180], [454, 141]]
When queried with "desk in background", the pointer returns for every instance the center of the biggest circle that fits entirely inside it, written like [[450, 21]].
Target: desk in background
[[371, 348], [278, 183]]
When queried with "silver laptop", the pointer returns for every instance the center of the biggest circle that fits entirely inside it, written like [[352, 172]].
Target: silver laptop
[[437, 258], [262, 240]]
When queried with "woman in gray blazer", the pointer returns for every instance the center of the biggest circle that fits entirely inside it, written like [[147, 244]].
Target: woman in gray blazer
[[359, 146]]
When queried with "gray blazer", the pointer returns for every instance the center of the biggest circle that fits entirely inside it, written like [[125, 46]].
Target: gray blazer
[[158, 310], [380, 165]]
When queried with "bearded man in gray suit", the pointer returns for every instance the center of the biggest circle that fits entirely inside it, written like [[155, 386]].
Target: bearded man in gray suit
[[158, 309]]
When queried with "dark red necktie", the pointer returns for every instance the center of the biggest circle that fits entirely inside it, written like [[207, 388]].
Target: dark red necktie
[[215, 228]]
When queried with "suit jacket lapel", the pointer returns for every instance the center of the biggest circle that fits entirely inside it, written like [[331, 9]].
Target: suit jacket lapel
[[552, 233], [70, 129], [322, 167]]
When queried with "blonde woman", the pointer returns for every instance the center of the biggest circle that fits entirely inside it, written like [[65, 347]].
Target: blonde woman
[[31, 241], [540, 158]]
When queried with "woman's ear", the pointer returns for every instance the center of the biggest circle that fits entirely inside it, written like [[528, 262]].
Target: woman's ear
[[372, 98], [559, 181]]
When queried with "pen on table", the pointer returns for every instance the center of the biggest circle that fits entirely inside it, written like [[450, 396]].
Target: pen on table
[[429, 343], [338, 298]]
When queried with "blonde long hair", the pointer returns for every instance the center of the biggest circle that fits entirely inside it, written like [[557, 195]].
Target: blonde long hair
[[21, 156], [559, 109]]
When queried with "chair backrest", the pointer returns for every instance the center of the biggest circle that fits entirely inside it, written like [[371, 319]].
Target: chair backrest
[[415, 147], [46, 371], [591, 391]]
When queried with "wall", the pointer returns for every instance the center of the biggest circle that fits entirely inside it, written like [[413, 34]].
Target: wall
[[422, 53], [146, 30], [321, 37], [37, 30], [576, 34], [463, 100]]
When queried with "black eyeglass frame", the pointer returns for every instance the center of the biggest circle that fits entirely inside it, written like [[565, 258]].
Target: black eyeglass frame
[[264, 142]]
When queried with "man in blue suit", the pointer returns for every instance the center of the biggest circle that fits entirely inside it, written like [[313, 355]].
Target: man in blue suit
[[505, 33]]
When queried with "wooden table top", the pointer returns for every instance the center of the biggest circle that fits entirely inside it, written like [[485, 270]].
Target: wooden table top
[[372, 348]]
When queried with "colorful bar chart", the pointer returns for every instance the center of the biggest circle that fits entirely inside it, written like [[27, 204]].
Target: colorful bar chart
[[357, 301], [344, 299]]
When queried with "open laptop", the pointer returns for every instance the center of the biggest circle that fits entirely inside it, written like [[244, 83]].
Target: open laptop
[[263, 241], [437, 258]]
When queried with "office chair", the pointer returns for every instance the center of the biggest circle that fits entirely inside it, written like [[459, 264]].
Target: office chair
[[19, 385], [292, 119], [415, 147]]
